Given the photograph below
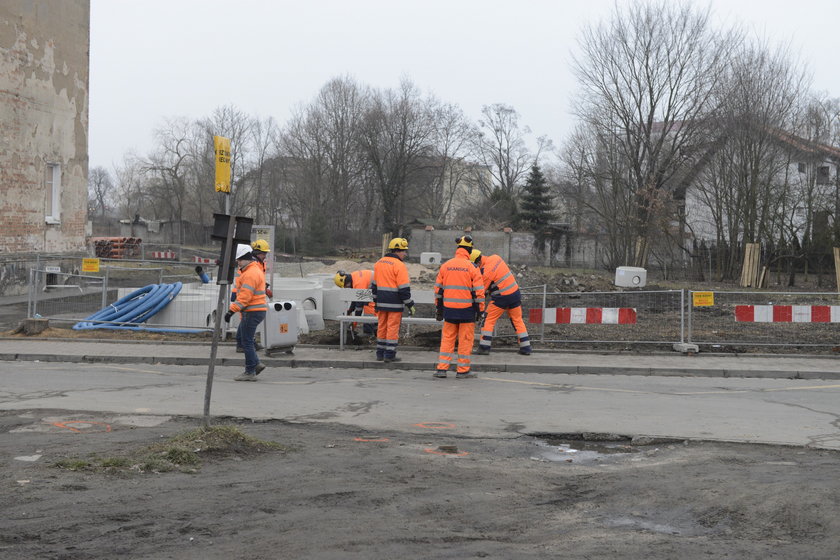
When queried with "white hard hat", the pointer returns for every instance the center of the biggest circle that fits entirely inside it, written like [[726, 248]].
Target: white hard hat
[[243, 251]]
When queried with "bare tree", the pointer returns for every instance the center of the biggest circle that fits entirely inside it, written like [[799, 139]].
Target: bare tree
[[648, 78], [450, 171], [100, 191], [500, 147], [397, 133]]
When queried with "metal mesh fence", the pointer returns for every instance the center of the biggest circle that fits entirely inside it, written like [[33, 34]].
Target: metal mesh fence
[[71, 298], [763, 318], [639, 317]]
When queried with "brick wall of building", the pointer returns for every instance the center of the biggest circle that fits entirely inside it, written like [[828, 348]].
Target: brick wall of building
[[44, 68]]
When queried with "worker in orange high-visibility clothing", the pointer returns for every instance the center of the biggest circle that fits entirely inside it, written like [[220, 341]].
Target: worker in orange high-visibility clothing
[[459, 297], [250, 302], [505, 297], [392, 294], [360, 280]]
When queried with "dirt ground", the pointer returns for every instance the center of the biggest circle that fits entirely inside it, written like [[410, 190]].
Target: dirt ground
[[338, 493]]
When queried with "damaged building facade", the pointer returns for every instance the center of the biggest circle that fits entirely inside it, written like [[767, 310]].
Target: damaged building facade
[[44, 77]]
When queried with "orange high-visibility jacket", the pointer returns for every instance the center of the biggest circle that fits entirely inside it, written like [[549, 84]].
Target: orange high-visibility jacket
[[250, 289], [459, 288], [500, 282], [391, 286], [361, 280]]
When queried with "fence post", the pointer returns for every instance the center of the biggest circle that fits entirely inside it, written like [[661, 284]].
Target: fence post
[[542, 325], [29, 294], [682, 316], [105, 287], [689, 315]]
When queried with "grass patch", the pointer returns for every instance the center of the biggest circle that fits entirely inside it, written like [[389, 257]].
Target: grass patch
[[182, 452]]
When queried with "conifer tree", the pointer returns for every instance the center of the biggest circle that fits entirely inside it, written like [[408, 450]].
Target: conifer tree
[[535, 210]]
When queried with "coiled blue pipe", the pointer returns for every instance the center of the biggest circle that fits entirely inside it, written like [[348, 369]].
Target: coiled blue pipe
[[137, 307]]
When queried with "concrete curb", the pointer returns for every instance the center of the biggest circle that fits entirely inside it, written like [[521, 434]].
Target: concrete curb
[[293, 362]]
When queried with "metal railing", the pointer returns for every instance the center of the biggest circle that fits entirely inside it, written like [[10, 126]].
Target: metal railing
[[638, 317], [726, 318]]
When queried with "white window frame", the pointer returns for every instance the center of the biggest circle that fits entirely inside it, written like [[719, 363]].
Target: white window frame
[[52, 184]]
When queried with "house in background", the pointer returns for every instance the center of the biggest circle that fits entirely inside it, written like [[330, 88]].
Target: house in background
[[44, 77]]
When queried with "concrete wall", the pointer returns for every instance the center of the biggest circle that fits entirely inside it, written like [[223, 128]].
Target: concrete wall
[[513, 247], [44, 63]]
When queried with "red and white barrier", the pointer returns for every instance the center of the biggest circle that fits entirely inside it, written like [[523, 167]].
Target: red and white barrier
[[583, 315], [787, 313], [164, 255], [204, 260]]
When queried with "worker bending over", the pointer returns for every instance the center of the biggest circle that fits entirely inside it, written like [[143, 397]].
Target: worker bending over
[[505, 297], [359, 280]]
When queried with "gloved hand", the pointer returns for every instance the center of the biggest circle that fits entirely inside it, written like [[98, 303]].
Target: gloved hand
[[228, 315], [480, 316], [233, 296], [268, 291], [411, 309], [439, 314]]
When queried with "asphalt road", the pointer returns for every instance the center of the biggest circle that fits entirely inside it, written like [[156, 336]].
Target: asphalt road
[[757, 410]]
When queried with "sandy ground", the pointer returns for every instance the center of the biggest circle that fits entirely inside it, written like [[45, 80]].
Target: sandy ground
[[342, 494]]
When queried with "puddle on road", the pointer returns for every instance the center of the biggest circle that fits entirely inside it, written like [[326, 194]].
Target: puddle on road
[[581, 451]]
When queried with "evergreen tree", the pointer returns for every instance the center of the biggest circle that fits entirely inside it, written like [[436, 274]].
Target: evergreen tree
[[535, 210]]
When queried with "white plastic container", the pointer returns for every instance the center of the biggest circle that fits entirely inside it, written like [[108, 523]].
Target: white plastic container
[[430, 258], [630, 277], [280, 330], [332, 305], [308, 295]]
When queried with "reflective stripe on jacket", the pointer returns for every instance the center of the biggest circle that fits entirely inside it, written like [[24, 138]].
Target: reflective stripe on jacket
[[250, 289], [500, 282], [361, 280], [391, 286], [459, 288]]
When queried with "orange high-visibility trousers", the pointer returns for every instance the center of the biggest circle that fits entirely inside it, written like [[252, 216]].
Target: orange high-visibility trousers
[[388, 333], [494, 312], [463, 334]]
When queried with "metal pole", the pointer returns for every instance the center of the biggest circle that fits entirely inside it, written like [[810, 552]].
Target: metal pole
[[32, 277], [105, 287], [689, 318], [220, 305], [542, 326], [682, 316]]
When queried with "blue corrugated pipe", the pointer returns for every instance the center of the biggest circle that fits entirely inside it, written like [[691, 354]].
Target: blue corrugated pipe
[[136, 307]]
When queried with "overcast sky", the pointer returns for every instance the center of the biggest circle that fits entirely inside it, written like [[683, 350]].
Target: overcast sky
[[154, 59]]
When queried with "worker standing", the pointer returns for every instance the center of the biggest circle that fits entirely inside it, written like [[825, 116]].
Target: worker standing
[[505, 297], [459, 299], [250, 302], [260, 249], [360, 280], [391, 295]]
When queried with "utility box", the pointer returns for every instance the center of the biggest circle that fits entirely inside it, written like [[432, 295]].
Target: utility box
[[280, 328], [430, 258], [630, 277]]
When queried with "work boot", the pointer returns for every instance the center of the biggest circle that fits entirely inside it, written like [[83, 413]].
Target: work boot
[[259, 368], [482, 351], [464, 375], [394, 359], [525, 351], [246, 377], [440, 373]]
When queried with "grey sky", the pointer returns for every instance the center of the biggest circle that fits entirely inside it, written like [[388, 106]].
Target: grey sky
[[156, 59]]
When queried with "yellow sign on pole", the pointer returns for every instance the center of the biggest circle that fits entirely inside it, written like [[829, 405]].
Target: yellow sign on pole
[[222, 147], [703, 299], [90, 265]]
